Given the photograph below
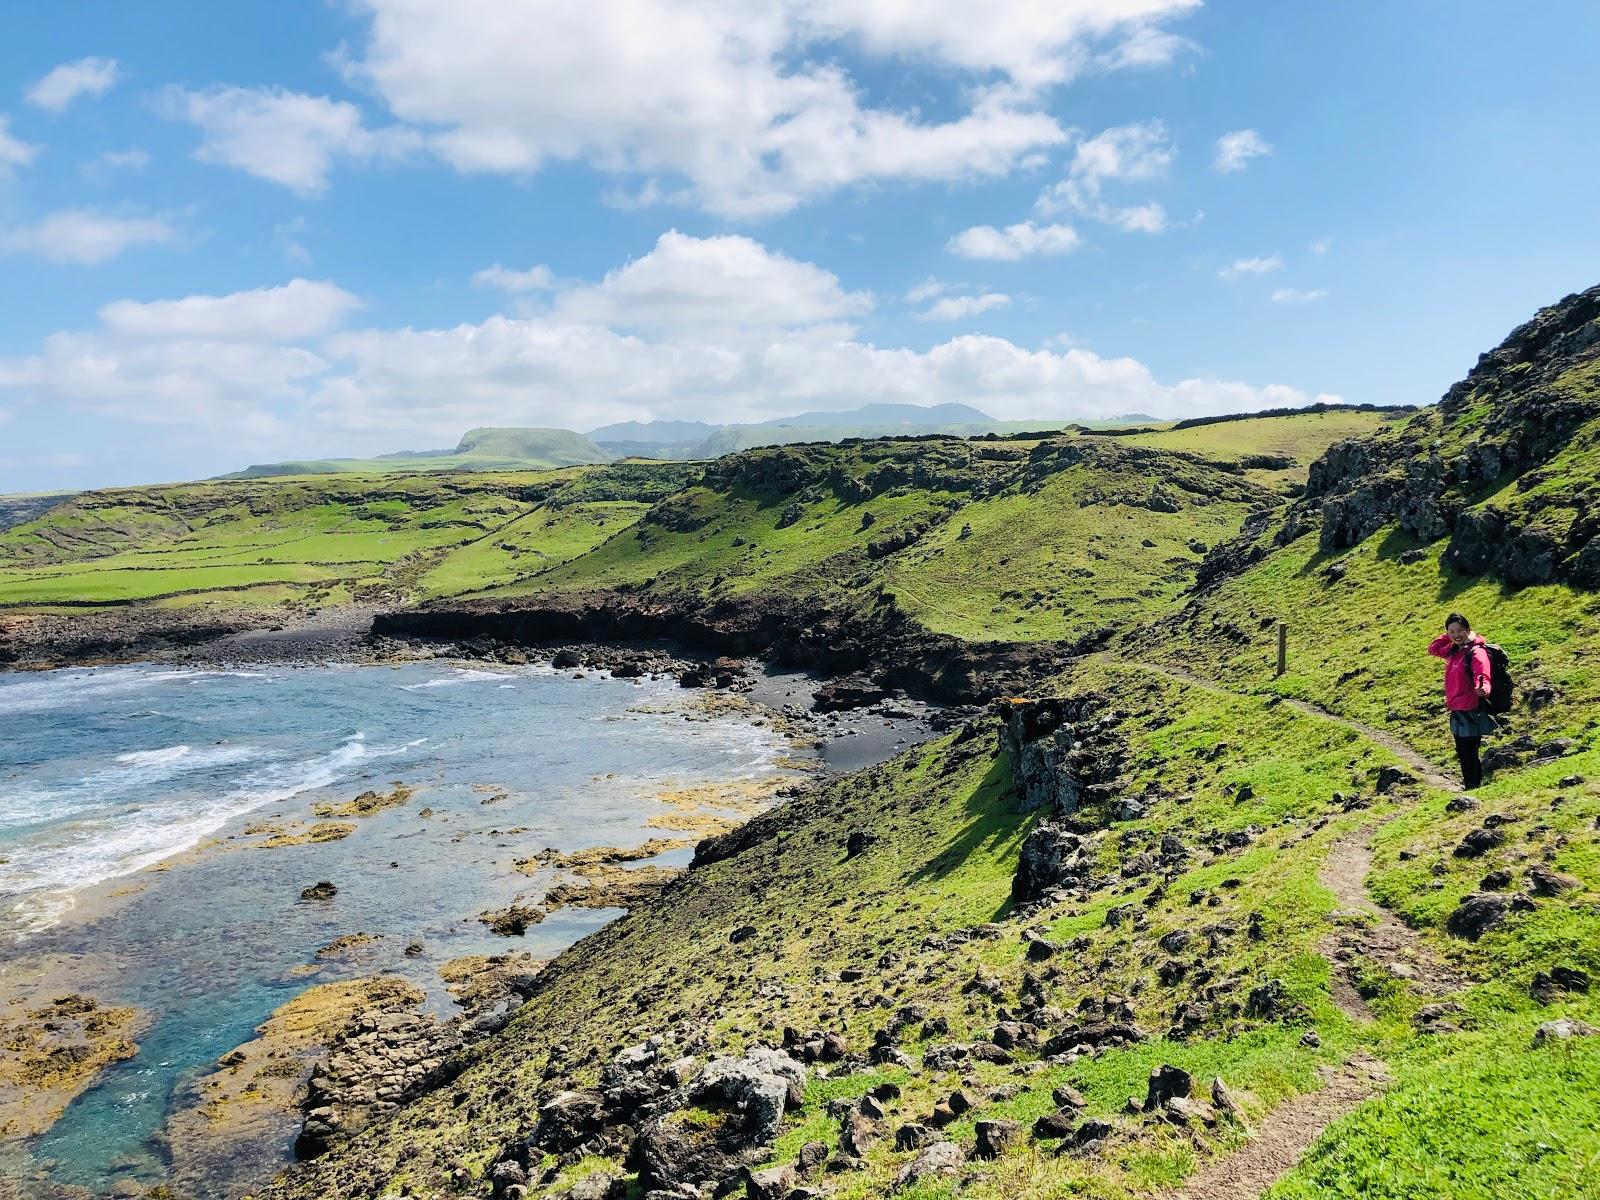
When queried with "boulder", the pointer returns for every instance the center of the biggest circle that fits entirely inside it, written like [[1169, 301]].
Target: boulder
[[941, 1158], [914, 1136], [773, 1183], [994, 1136], [858, 1133], [1546, 985], [1479, 842], [1545, 881], [321, 890], [1563, 1029], [1166, 1082], [1477, 914], [1058, 1124]]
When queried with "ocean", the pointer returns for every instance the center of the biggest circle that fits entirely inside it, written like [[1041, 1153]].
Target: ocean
[[141, 780]]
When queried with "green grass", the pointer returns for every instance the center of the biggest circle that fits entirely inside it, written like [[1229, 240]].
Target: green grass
[[329, 541]]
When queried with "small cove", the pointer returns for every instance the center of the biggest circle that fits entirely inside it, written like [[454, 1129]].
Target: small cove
[[126, 793]]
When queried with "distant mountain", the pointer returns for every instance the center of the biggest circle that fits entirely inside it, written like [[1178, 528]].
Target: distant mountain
[[644, 432], [488, 449], [879, 415]]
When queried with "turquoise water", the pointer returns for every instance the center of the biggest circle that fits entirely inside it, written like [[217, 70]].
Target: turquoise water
[[106, 771]]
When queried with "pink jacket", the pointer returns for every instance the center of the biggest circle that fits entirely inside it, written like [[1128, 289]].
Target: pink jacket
[[1463, 686]]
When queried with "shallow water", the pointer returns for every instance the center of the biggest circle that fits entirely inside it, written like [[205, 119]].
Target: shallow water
[[106, 771]]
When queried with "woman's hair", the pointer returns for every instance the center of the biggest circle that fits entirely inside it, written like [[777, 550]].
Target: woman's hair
[[1457, 619]]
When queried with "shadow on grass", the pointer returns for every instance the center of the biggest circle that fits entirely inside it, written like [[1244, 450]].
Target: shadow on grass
[[991, 825]]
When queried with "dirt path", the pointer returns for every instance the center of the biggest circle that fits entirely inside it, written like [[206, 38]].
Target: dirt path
[[1424, 767], [1363, 933], [1285, 1134]]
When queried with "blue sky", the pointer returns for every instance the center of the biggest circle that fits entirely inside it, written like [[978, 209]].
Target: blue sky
[[233, 233]]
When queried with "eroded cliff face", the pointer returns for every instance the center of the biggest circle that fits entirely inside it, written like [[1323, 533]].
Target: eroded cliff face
[[1496, 466]]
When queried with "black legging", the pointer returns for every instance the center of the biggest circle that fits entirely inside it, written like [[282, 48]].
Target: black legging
[[1467, 755]]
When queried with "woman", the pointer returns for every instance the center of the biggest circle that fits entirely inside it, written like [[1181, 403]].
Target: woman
[[1466, 683]]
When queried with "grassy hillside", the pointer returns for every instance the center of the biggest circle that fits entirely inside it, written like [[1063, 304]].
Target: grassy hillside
[[313, 542], [922, 923], [1004, 538]]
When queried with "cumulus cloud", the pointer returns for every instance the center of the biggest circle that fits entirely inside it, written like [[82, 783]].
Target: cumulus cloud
[[289, 138], [655, 338], [212, 385], [534, 279], [1236, 149], [299, 309], [1136, 153], [741, 108], [67, 83], [84, 236], [954, 308], [1014, 242], [720, 281], [14, 152], [1241, 267], [1321, 246], [1298, 295]]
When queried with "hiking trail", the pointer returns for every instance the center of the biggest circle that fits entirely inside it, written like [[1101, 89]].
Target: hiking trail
[[1363, 933]]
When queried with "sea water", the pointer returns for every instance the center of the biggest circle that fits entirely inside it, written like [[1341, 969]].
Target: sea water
[[106, 773]]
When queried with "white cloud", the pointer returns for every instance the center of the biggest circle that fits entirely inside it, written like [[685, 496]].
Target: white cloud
[[1321, 246], [534, 279], [1014, 242], [1298, 295], [257, 363], [84, 77], [81, 235], [1236, 149], [954, 308], [14, 152], [1138, 152], [740, 107], [1241, 267], [434, 383], [285, 137], [299, 309], [1034, 45], [210, 384], [1147, 46], [722, 281], [928, 289]]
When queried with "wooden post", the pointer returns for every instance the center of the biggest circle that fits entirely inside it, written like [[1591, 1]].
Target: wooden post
[[1283, 646]]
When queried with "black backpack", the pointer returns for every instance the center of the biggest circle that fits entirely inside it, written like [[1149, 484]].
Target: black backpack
[[1499, 698]]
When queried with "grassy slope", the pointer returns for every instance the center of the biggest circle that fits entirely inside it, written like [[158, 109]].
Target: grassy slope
[[315, 541], [1302, 438], [1013, 540], [947, 842]]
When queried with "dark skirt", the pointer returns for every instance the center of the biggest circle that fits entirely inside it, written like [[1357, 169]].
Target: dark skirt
[[1475, 723]]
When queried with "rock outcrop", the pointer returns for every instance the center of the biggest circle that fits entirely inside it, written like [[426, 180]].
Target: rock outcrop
[[1443, 473]]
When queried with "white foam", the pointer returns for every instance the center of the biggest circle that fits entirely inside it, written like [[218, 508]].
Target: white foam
[[141, 758], [92, 850], [457, 676]]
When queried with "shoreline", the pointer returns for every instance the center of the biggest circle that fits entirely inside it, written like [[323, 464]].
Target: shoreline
[[689, 812]]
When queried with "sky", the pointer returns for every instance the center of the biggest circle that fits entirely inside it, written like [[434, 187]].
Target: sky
[[234, 233]]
